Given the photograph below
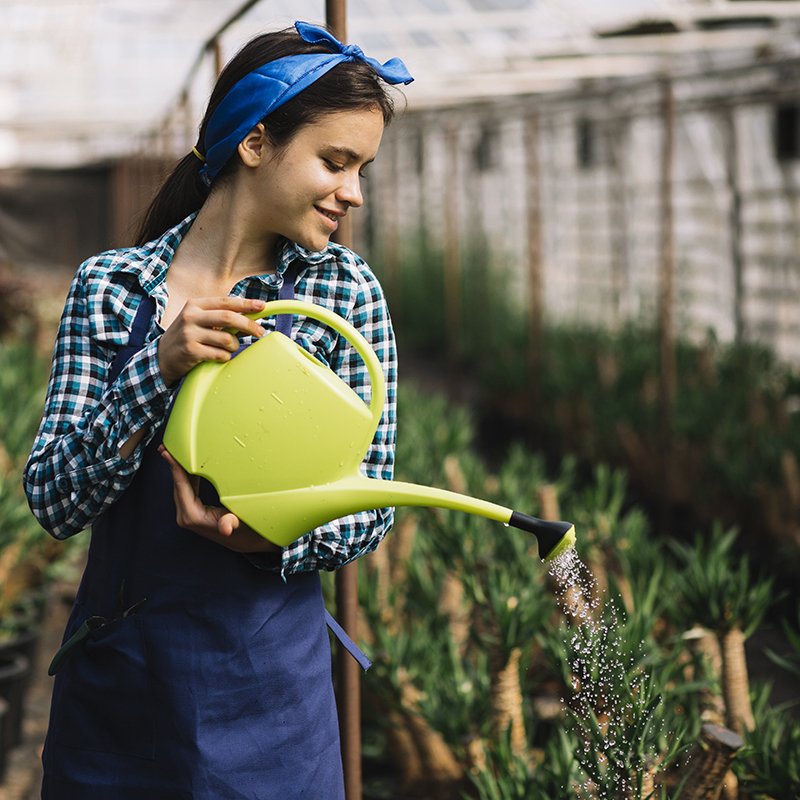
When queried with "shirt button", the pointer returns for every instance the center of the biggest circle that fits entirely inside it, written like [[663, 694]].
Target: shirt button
[[62, 483]]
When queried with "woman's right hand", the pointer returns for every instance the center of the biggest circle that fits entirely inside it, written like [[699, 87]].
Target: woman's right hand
[[198, 333]]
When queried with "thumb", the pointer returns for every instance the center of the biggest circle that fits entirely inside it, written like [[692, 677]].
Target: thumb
[[227, 524]]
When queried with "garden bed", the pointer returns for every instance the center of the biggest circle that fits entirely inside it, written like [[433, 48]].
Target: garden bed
[[473, 654]]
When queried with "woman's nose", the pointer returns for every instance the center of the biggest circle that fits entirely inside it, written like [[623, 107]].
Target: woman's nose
[[350, 190]]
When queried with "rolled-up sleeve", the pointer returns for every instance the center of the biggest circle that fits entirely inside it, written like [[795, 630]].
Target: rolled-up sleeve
[[75, 470]]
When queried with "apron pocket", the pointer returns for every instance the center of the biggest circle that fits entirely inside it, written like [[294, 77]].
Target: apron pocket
[[103, 699]]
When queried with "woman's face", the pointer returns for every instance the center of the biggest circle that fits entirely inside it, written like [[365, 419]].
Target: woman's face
[[307, 186]]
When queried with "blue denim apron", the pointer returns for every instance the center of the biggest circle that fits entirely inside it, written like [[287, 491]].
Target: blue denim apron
[[204, 678]]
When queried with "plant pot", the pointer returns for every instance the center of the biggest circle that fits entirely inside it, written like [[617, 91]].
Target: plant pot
[[14, 671]]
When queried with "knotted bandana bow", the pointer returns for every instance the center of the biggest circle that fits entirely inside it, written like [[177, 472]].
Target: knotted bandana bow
[[270, 86]]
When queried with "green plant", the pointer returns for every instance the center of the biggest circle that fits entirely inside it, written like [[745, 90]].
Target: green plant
[[790, 662], [28, 558], [432, 696], [22, 547], [769, 765], [23, 375], [716, 586], [506, 775], [430, 429], [715, 589], [635, 733], [734, 429]]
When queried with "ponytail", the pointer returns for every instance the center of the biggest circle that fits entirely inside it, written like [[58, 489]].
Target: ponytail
[[182, 193]]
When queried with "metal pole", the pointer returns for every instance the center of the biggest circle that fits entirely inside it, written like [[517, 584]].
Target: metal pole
[[349, 679]]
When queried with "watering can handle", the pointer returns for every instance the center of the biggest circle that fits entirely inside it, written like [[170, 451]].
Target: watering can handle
[[343, 327]]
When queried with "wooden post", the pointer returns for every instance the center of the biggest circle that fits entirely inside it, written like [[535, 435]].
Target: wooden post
[[187, 132], [336, 17], [666, 298], [390, 228], [452, 254], [734, 220], [347, 670], [423, 211], [709, 763], [617, 221], [535, 270], [120, 202], [216, 49]]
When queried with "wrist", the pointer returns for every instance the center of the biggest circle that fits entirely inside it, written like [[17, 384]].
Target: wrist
[[169, 378]]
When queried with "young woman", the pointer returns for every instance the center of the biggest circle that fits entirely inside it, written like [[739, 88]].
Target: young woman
[[196, 662]]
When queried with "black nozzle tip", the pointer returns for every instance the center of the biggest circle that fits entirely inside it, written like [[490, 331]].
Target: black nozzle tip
[[549, 534]]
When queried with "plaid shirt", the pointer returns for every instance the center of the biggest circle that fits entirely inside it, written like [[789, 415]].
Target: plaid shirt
[[75, 470]]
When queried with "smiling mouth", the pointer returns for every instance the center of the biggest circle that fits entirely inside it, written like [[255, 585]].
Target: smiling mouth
[[332, 217]]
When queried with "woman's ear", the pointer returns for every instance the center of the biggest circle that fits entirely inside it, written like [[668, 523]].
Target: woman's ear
[[254, 148]]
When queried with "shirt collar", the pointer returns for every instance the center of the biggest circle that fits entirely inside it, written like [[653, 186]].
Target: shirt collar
[[157, 256], [151, 260], [291, 251]]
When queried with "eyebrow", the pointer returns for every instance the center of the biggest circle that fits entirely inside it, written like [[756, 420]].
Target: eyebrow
[[347, 153]]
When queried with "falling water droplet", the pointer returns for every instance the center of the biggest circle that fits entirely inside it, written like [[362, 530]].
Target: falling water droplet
[[600, 666]]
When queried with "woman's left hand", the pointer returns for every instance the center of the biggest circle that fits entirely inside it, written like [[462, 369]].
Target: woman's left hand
[[214, 523]]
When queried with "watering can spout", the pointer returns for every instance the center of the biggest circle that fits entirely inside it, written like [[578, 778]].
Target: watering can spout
[[311, 506], [554, 538]]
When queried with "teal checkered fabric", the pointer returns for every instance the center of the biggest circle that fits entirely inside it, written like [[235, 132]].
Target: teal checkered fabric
[[75, 471]]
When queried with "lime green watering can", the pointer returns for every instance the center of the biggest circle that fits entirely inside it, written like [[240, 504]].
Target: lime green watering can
[[281, 437]]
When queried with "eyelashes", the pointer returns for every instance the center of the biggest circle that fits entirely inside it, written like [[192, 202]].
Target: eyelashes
[[334, 167]]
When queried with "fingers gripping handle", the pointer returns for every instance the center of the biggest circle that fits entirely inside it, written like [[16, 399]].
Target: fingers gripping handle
[[343, 327]]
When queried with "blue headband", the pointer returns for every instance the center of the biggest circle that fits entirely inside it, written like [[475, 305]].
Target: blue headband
[[262, 91]]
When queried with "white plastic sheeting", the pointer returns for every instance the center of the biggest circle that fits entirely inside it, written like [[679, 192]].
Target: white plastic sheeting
[[87, 79]]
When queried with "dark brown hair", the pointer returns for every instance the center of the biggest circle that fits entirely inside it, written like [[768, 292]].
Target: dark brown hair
[[349, 86]]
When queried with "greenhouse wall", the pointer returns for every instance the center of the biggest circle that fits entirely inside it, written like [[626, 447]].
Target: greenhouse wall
[[54, 219], [585, 171]]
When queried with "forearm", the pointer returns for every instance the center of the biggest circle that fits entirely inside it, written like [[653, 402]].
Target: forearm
[[90, 442], [127, 449]]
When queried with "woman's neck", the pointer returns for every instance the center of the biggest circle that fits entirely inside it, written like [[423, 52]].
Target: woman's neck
[[223, 244]]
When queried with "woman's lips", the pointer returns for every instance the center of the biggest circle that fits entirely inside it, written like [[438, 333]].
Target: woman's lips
[[331, 217]]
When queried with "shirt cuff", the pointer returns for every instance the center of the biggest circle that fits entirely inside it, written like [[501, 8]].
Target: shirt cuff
[[143, 395]]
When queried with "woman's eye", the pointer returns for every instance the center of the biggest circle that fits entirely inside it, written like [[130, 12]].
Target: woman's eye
[[333, 166]]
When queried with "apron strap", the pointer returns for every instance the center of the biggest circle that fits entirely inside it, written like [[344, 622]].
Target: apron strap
[[141, 324], [345, 641], [283, 322]]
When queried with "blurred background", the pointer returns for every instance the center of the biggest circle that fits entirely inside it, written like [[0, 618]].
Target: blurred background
[[585, 218]]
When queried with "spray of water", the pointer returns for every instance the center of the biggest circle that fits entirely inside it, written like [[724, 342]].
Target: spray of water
[[607, 689]]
